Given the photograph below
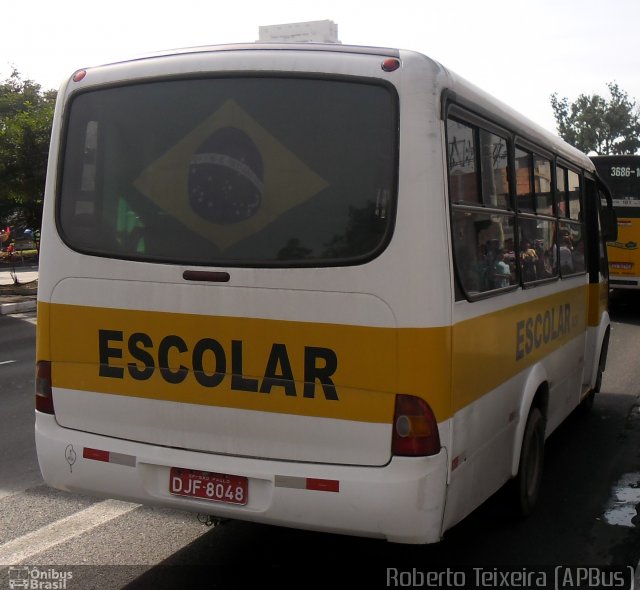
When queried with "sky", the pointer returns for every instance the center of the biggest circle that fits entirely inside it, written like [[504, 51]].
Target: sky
[[521, 51]]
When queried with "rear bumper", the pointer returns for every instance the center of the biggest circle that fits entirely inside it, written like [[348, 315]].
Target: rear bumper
[[401, 502]]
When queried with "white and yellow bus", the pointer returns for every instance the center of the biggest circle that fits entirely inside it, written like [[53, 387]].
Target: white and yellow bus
[[327, 287], [622, 175]]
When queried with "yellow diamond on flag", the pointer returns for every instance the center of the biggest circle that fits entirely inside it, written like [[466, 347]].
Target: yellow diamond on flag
[[228, 178]]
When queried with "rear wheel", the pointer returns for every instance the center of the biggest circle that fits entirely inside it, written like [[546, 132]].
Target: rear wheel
[[586, 405], [602, 362], [529, 479]]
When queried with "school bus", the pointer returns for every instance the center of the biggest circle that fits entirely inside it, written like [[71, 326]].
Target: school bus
[[327, 287], [622, 176]]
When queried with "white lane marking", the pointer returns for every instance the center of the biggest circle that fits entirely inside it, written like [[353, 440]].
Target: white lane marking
[[20, 549], [28, 317], [7, 362]]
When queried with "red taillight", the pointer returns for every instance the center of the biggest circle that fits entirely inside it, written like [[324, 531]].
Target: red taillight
[[415, 430], [44, 397]]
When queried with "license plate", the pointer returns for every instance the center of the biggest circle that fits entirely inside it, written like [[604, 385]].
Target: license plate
[[216, 487]]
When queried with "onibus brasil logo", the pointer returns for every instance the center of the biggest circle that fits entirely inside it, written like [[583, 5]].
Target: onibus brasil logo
[[38, 578]]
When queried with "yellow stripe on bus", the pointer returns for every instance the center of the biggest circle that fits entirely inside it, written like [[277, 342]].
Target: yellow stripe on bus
[[598, 302], [304, 368], [490, 349], [246, 363]]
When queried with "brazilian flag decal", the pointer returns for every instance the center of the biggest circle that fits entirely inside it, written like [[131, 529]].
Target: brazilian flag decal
[[228, 178]]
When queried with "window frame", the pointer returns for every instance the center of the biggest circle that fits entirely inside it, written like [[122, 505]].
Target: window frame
[[521, 216], [477, 123], [64, 165]]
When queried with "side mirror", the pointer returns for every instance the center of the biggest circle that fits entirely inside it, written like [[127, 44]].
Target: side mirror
[[609, 223]]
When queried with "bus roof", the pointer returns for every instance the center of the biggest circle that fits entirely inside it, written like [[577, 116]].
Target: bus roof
[[459, 89]]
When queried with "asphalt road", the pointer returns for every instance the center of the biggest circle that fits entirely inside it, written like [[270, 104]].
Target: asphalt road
[[18, 464], [587, 514]]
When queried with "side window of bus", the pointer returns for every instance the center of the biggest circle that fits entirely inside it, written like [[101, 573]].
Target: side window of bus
[[542, 185], [463, 176], [537, 224], [537, 248], [571, 247], [482, 222], [574, 192], [494, 166], [524, 189], [603, 263], [484, 250]]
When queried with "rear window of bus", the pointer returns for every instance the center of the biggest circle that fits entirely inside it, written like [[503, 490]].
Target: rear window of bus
[[231, 171]]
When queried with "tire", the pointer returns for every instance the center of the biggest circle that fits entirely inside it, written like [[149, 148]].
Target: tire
[[602, 361], [586, 405], [528, 482]]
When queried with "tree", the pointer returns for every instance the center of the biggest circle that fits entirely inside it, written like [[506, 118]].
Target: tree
[[26, 114], [595, 124]]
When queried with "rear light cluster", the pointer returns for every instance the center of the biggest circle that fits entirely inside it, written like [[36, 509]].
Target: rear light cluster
[[44, 397], [415, 430]]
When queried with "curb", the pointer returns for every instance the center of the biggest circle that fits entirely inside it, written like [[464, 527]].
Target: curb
[[17, 307]]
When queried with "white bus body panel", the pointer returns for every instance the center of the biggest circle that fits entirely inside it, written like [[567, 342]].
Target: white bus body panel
[[406, 507]]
